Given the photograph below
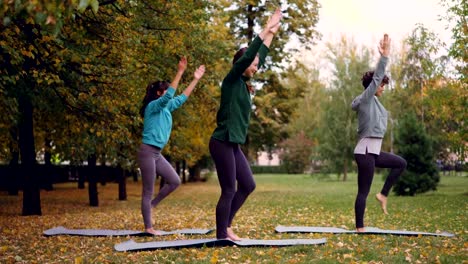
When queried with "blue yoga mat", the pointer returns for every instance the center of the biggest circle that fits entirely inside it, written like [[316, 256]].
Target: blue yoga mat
[[109, 232], [369, 231]]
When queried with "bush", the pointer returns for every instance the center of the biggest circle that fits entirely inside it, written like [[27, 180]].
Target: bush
[[414, 145], [256, 169], [296, 153]]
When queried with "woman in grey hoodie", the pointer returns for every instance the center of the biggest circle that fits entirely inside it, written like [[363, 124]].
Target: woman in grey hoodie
[[372, 119]]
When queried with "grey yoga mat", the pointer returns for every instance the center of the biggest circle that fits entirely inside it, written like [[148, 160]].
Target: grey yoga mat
[[369, 231], [131, 245], [109, 232]]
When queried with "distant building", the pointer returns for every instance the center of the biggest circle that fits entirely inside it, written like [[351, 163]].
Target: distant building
[[263, 159]]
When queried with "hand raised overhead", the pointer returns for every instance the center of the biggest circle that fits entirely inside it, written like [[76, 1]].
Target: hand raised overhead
[[384, 46], [182, 66], [199, 72], [273, 23]]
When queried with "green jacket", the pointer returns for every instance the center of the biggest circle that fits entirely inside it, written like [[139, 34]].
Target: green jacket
[[233, 115]]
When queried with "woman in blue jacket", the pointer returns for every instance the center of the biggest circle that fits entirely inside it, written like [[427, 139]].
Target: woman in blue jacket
[[156, 110], [372, 119]]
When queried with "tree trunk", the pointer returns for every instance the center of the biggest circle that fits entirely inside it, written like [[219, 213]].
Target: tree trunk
[[135, 176], [184, 168], [195, 173], [345, 169], [250, 23], [122, 183], [31, 190], [179, 170], [103, 171], [47, 173], [78, 170], [92, 182], [13, 167]]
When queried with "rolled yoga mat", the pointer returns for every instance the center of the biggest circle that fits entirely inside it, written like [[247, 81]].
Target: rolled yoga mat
[[131, 245], [369, 231], [109, 232]]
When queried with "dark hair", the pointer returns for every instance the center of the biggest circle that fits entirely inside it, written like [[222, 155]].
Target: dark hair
[[152, 94], [238, 54], [367, 79]]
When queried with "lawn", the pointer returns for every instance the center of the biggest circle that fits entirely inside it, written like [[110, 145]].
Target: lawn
[[278, 200]]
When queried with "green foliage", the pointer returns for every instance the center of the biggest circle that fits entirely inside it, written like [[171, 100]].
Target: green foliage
[[446, 102], [86, 75], [415, 146], [337, 129], [165, 31], [456, 15], [257, 169], [424, 83], [88, 81], [299, 20], [275, 106], [420, 67], [48, 14]]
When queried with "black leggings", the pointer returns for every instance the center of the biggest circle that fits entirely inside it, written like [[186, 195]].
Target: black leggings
[[231, 165], [366, 165]]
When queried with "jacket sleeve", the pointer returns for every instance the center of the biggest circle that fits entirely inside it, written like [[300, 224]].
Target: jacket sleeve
[[244, 62], [176, 102], [158, 104], [379, 73], [356, 102], [262, 53]]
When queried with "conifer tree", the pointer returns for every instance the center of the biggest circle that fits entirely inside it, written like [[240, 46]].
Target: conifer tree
[[415, 145]]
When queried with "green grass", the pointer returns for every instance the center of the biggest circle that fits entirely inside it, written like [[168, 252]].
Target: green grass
[[278, 200]]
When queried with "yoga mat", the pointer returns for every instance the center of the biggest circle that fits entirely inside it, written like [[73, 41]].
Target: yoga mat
[[109, 232], [131, 245], [369, 231]]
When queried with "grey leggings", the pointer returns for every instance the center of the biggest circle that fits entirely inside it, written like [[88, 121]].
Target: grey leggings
[[231, 166], [366, 165], [151, 162]]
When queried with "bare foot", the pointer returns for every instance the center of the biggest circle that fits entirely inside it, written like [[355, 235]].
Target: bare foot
[[231, 235], [360, 229], [383, 202], [153, 232]]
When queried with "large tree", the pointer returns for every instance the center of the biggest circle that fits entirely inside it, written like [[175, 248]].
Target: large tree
[[306, 121], [338, 125], [56, 71], [86, 81], [456, 16], [415, 146], [424, 83]]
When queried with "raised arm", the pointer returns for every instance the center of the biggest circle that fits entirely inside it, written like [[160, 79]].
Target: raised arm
[[272, 26], [196, 77], [258, 44], [384, 46], [379, 73], [180, 71]]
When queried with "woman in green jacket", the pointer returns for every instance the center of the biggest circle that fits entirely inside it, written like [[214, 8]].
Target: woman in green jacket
[[232, 122]]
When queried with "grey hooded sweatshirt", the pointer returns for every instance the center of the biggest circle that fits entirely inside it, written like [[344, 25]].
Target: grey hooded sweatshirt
[[372, 116]]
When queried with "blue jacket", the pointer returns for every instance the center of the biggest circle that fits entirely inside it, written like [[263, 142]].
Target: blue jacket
[[157, 124], [372, 116]]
